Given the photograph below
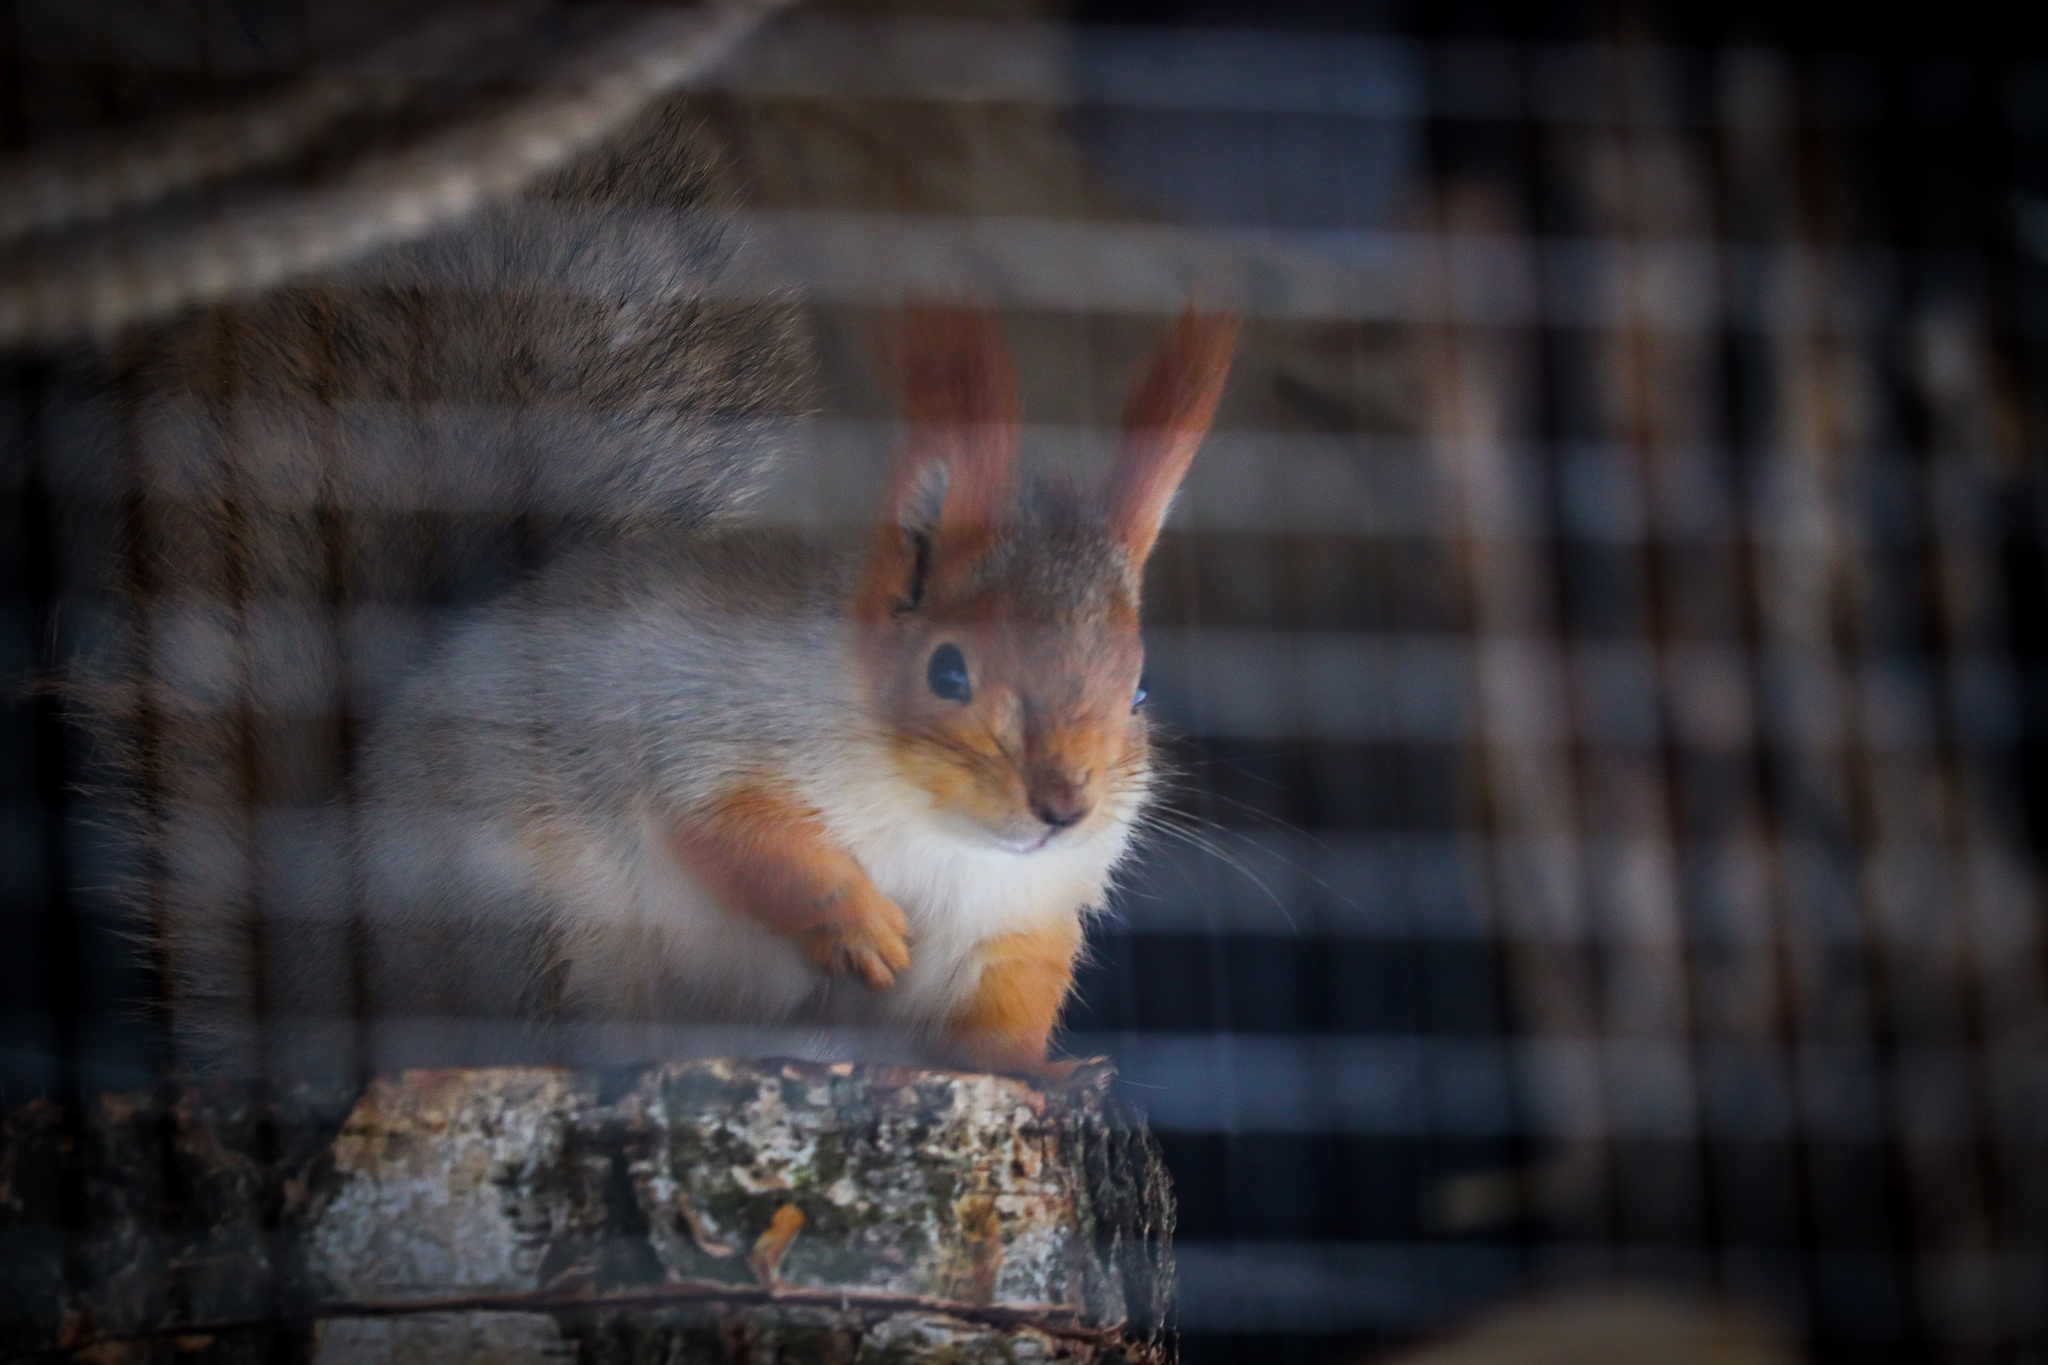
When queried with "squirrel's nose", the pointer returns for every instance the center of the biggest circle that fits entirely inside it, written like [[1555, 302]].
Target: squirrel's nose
[[1060, 801], [1061, 811]]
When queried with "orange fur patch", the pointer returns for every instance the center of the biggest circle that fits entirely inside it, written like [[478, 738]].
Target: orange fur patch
[[766, 855], [1005, 1024], [977, 789]]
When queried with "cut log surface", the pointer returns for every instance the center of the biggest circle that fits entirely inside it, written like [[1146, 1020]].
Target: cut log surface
[[720, 1211]]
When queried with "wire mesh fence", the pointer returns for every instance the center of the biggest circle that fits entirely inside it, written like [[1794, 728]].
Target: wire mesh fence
[[1598, 651]]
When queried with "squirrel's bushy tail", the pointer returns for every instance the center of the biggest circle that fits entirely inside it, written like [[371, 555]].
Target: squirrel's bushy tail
[[305, 481]]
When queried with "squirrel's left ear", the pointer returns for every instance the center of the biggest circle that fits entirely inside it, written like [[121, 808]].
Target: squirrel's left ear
[[955, 476], [1164, 420], [954, 479]]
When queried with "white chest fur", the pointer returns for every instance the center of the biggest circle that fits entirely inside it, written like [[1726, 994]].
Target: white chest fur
[[656, 944], [957, 889]]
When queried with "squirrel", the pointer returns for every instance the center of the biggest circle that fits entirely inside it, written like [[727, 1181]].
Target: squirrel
[[672, 770], [877, 784], [689, 776]]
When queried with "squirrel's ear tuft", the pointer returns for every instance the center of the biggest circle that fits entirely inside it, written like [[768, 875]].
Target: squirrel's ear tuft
[[954, 479], [960, 413], [921, 500], [1164, 420]]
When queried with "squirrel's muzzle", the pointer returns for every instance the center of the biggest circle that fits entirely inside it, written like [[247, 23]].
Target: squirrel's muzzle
[[1059, 801]]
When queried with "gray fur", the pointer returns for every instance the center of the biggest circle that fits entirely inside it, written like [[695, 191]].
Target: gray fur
[[632, 680], [319, 480]]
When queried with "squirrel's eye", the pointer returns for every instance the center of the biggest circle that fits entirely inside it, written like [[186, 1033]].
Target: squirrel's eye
[[1138, 697], [947, 674]]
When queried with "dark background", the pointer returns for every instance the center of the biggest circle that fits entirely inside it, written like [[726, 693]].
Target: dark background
[[1940, 151], [1944, 149]]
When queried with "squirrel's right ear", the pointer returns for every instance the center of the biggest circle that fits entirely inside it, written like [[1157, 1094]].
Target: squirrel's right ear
[[954, 478]]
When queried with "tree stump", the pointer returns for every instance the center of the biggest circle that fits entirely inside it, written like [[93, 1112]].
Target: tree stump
[[723, 1211]]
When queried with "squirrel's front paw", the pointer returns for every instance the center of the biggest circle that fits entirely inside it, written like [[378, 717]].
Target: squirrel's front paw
[[864, 937]]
